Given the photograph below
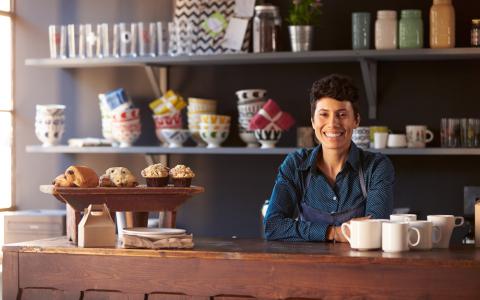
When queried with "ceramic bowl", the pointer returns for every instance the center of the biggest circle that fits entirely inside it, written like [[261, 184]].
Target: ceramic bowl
[[249, 95], [175, 136], [52, 110], [126, 115], [197, 105], [268, 138], [126, 133], [248, 136], [214, 138], [49, 130], [168, 121], [215, 119]]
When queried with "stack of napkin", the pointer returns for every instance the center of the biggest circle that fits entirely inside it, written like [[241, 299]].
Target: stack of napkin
[[270, 117], [178, 241]]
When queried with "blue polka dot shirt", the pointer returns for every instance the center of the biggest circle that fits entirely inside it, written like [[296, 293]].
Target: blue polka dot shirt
[[281, 222]]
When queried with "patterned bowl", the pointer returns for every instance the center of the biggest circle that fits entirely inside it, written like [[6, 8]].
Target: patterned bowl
[[268, 138], [126, 133], [175, 136], [214, 138]]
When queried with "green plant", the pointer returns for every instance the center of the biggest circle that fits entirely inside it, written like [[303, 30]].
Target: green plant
[[305, 12]]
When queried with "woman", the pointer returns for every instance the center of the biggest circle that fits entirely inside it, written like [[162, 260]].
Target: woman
[[318, 189]]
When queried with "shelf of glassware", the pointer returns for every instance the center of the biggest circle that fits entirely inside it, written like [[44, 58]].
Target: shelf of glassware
[[264, 58], [233, 150]]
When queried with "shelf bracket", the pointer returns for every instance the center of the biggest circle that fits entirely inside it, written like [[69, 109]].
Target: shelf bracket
[[156, 158], [369, 74], [159, 83]]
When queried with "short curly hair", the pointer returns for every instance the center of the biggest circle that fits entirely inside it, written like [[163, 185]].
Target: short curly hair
[[338, 87]]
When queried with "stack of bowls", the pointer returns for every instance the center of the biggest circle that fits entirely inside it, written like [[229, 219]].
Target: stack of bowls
[[214, 129], [195, 108], [126, 126], [50, 123], [249, 103], [166, 121]]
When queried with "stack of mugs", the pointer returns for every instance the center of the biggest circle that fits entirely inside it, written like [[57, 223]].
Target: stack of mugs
[[50, 123], [249, 103], [126, 126], [402, 232], [214, 129], [195, 108]]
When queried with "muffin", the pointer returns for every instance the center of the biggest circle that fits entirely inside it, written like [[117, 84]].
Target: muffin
[[118, 177], [181, 176], [156, 175]]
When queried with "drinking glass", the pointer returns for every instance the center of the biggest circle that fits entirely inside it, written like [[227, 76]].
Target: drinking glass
[[58, 41], [469, 130], [450, 132], [146, 39], [71, 41]]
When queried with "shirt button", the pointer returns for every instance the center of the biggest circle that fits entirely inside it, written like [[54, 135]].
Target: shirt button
[[335, 198]]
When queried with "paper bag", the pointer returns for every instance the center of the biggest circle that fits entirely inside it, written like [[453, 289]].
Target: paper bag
[[477, 224], [96, 229]]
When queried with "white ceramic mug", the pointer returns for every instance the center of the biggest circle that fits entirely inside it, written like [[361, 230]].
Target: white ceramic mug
[[403, 217], [396, 140], [396, 236], [446, 223], [418, 136], [427, 230], [364, 234], [380, 140]]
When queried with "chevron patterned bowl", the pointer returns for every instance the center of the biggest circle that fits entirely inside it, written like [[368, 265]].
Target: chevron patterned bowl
[[268, 138]]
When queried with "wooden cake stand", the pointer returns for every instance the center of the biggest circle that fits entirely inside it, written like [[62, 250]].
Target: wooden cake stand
[[133, 199]]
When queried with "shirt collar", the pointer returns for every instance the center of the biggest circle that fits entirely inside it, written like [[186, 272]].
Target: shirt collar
[[311, 161]]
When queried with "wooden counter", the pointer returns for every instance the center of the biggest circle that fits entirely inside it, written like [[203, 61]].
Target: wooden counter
[[232, 269]]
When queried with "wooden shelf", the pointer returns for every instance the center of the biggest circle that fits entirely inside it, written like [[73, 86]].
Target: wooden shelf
[[233, 150], [367, 59], [264, 58]]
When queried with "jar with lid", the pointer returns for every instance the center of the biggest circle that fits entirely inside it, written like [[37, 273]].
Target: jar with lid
[[410, 29], [264, 28], [386, 30], [442, 24], [475, 33]]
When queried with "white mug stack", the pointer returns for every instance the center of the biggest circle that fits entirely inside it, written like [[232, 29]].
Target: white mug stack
[[401, 233], [50, 123]]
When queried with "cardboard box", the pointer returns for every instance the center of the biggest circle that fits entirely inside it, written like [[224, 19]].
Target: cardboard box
[[96, 229], [477, 223]]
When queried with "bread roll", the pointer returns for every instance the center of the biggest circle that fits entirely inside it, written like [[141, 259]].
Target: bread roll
[[61, 180], [82, 176]]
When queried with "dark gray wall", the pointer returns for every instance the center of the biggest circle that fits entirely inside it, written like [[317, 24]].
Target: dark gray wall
[[236, 186]]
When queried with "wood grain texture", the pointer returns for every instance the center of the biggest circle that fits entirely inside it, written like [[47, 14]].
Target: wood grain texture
[[9, 275], [251, 268]]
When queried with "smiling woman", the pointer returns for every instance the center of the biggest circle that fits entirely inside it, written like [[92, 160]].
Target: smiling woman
[[6, 104], [318, 189]]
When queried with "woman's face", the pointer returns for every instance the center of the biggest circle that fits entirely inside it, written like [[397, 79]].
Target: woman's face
[[333, 122]]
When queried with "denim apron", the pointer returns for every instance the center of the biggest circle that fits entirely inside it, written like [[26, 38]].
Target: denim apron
[[311, 214]]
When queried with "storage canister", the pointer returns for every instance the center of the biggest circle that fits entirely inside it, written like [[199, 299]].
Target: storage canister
[[410, 29], [386, 30], [442, 24], [264, 29], [475, 33], [360, 30]]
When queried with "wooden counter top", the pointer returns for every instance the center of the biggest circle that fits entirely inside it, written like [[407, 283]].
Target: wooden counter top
[[236, 268], [253, 249]]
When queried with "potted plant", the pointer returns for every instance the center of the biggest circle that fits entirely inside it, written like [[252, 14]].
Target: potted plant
[[303, 15]]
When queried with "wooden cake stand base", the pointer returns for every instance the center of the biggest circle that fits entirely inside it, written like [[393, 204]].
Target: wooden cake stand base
[[134, 199]]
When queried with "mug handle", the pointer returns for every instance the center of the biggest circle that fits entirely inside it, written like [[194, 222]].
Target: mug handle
[[418, 237], [343, 228], [438, 235], [461, 221], [428, 136]]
